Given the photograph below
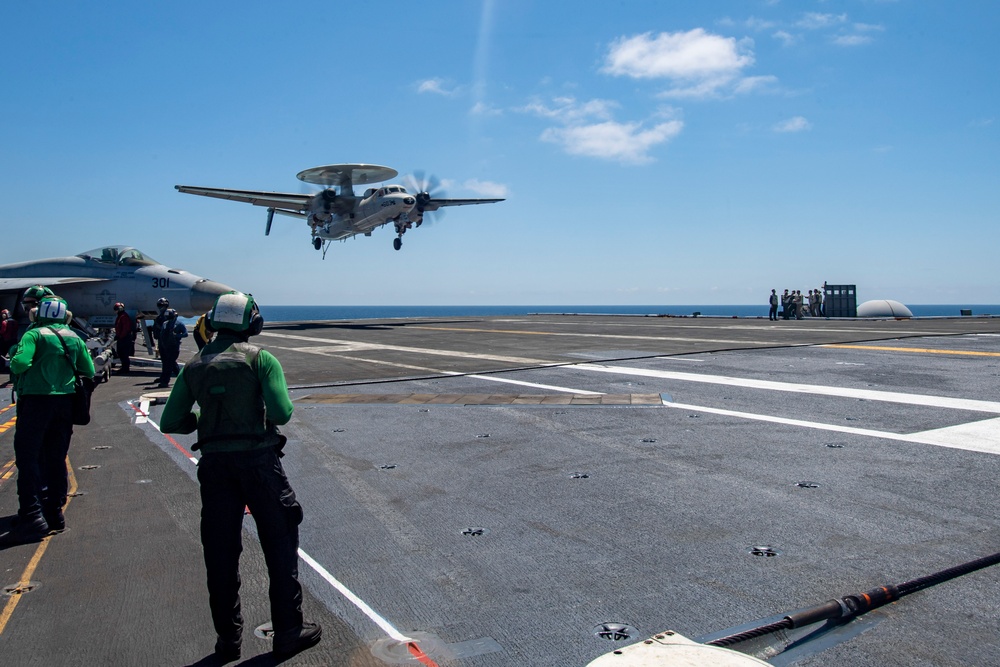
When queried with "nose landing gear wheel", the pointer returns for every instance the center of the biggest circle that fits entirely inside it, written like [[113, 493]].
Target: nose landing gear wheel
[[397, 243], [317, 243]]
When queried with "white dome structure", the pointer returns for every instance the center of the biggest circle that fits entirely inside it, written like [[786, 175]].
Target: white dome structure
[[883, 308]]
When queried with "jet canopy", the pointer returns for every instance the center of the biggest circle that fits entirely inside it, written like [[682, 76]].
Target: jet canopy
[[118, 255]]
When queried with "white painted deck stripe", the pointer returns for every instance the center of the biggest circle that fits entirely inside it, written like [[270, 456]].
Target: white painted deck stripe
[[821, 390], [386, 626], [356, 346], [365, 608], [955, 437]]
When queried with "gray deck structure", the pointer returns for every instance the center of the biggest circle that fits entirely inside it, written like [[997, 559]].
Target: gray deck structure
[[500, 489]]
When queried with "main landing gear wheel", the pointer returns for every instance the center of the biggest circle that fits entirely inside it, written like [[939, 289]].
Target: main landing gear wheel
[[317, 243], [397, 243]]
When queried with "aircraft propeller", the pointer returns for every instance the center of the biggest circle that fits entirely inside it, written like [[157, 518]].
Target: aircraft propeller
[[425, 188]]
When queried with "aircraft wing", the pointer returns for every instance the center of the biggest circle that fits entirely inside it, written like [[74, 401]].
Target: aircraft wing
[[283, 200], [435, 204], [17, 284]]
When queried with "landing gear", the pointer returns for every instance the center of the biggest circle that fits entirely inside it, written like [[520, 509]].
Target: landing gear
[[397, 243], [317, 243]]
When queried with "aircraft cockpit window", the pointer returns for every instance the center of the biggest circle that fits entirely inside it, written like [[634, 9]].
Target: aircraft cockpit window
[[117, 256], [132, 257]]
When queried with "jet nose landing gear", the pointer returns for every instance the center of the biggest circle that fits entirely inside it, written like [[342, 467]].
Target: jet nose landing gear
[[397, 243]]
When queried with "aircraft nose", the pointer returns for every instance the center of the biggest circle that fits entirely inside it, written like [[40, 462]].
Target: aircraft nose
[[409, 201], [205, 292]]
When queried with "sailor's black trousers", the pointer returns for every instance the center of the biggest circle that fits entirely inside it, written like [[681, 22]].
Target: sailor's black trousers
[[230, 482]]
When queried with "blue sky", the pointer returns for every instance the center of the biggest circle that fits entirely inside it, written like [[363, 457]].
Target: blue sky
[[650, 152]]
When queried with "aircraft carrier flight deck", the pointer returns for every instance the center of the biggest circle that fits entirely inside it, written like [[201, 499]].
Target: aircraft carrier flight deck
[[543, 490]]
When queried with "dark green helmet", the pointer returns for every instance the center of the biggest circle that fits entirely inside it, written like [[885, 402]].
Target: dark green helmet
[[236, 311], [52, 310], [35, 293]]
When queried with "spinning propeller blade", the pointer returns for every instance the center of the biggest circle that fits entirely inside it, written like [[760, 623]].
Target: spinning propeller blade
[[425, 188]]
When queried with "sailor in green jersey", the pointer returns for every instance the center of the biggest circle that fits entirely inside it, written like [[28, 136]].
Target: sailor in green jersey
[[47, 360], [242, 395]]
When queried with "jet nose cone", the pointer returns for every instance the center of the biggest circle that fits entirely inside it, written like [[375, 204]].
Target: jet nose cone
[[205, 292]]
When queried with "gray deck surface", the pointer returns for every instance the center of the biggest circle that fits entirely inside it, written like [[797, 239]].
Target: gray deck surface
[[506, 527]]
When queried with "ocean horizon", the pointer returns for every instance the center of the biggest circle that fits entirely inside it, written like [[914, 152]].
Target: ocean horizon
[[323, 313]]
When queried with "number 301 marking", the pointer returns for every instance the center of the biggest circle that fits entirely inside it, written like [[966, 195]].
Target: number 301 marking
[[161, 283]]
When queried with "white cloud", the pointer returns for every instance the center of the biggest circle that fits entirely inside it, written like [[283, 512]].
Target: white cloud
[[484, 109], [435, 86], [752, 23], [695, 54], [627, 143], [786, 38], [698, 64], [851, 40], [486, 188], [568, 110], [816, 20], [795, 124], [752, 83], [588, 129]]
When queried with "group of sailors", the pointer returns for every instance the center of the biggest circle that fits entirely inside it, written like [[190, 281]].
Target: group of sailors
[[793, 304]]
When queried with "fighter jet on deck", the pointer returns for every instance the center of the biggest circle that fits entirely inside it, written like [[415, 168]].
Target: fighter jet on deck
[[93, 281]]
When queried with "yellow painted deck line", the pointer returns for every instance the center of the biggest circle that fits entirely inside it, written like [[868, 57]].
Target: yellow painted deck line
[[922, 350], [7, 471], [36, 558]]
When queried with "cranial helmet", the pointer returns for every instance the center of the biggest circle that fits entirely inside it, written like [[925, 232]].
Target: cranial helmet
[[119, 306], [170, 314], [236, 311], [36, 292], [162, 302], [4, 313], [52, 310]]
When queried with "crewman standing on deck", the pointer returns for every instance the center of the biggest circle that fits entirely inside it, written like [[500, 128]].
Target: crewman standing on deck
[[47, 361], [171, 332], [124, 337], [242, 395]]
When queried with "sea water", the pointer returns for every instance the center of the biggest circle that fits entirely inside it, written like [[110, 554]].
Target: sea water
[[304, 313]]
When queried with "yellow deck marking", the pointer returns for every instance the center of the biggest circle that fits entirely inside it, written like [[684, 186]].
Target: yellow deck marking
[[29, 570], [7, 471], [8, 425], [923, 350]]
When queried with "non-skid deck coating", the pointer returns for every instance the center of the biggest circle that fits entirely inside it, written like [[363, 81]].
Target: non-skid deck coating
[[541, 490], [482, 399]]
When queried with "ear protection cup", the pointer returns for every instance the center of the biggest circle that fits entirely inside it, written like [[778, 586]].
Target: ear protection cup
[[32, 314], [256, 322]]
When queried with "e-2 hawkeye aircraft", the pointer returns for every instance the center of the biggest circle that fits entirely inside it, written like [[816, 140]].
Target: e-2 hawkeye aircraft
[[93, 281], [335, 215]]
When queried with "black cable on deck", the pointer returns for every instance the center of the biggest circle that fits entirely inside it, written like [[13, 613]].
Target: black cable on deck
[[850, 606]]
